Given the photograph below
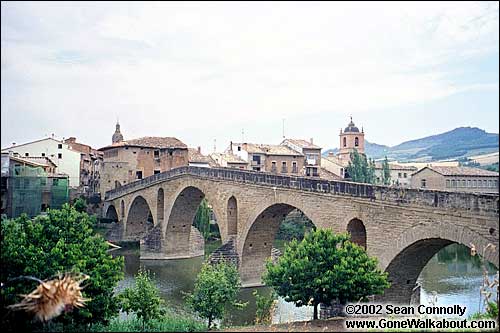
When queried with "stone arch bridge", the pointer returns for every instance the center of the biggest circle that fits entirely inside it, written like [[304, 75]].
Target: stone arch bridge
[[403, 228]]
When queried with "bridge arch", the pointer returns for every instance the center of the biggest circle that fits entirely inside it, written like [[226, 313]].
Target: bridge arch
[[356, 228], [232, 216], [413, 250], [139, 219], [111, 213], [257, 241], [178, 231]]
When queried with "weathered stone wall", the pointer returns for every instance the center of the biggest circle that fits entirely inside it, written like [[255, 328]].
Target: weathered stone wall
[[404, 228]]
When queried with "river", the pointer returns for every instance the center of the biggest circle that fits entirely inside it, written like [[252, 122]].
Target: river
[[452, 276]]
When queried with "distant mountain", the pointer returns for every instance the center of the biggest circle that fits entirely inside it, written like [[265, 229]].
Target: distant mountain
[[460, 142]]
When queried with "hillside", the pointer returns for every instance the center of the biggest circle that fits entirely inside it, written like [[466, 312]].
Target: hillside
[[460, 142]]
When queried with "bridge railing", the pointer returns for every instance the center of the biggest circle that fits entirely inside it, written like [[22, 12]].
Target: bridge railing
[[429, 198]]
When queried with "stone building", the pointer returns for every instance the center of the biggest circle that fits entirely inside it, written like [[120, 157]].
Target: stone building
[[400, 174], [459, 179], [269, 158], [351, 138], [334, 164], [90, 165], [127, 161], [228, 160], [311, 152], [196, 158]]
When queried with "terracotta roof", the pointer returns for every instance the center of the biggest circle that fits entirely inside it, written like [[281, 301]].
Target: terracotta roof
[[268, 149], [194, 156], [325, 174], [229, 158], [34, 160], [462, 171], [149, 142], [302, 143], [336, 160], [393, 166]]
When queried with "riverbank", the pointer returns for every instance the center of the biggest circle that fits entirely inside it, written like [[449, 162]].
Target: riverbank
[[328, 325]]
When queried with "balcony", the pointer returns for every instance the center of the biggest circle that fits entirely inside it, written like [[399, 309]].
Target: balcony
[[312, 161]]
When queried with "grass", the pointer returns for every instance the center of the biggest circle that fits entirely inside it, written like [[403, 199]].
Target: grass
[[169, 323]]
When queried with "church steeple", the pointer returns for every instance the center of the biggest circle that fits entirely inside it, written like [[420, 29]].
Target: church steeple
[[117, 136]]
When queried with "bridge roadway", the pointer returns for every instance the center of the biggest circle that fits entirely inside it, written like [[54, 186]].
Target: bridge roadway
[[403, 228]]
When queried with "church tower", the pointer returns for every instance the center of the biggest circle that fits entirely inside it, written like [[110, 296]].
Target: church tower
[[117, 136], [351, 138]]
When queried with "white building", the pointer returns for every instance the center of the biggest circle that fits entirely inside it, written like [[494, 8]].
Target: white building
[[66, 159]]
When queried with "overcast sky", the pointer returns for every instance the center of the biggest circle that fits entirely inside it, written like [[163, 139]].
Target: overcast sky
[[205, 71]]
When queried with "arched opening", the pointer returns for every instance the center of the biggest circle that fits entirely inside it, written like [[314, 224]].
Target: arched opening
[[190, 209], [139, 220], [356, 142], [406, 267], [117, 184], [111, 213], [122, 209], [261, 239], [357, 230], [160, 206], [232, 217], [344, 142]]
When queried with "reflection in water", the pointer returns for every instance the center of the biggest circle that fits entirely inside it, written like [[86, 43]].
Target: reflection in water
[[452, 273], [455, 276]]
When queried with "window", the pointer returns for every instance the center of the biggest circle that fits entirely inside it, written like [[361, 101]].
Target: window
[[156, 172], [170, 152], [463, 182], [43, 154], [55, 182], [239, 148], [423, 183], [156, 153], [59, 155], [138, 174], [474, 183], [43, 181], [294, 167], [26, 154], [405, 175], [453, 183], [468, 183], [490, 183], [284, 169], [448, 183], [356, 141], [273, 166], [399, 174], [59, 146], [345, 142], [496, 183]]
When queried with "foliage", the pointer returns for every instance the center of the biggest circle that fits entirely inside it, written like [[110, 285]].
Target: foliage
[[360, 169], [62, 241], [294, 227], [216, 287], [202, 221], [386, 172], [80, 205], [264, 306], [491, 313], [324, 267], [143, 299]]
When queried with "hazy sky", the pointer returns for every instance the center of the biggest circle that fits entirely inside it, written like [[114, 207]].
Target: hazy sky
[[205, 71]]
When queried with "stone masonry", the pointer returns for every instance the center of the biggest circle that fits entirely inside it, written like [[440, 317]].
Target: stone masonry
[[402, 228]]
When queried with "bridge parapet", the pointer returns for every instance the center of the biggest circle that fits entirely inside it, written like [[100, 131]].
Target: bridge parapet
[[485, 203]]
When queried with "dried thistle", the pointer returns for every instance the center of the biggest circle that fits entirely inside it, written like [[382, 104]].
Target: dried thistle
[[472, 249], [51, 297]]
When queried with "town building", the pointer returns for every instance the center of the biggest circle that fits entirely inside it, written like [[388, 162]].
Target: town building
[[127, 161], [60, 153], [90, 165], [335, 165], [311, 153], [197, 159], [461, 179], [228, 160], [400, 174], [269, 158], [351, 139], [31, 185]]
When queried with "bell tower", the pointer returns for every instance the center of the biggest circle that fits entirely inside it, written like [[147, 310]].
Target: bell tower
[[117, 136], [351, 138]]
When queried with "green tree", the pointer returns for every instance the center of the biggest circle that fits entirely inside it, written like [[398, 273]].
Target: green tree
[[202, 219], [62, 241], [324, 267], [80, 205], [143, 299], [215, 288], [360, 169], [264, 305], [386, 172]]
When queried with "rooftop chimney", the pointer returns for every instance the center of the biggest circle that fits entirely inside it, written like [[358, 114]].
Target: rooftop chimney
[[199, 149]]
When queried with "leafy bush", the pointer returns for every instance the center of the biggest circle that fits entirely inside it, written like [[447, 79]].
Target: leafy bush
[[264, 306], [62, 241]]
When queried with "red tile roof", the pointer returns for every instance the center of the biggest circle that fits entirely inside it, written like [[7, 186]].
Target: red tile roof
[[150, 142]]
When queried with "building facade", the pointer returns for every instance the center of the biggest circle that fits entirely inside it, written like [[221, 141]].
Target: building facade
[[127, 161], [459, 179], [400, 174], [64, 157], [350, 139], [227, 160], [197, 159], [311, 152], [90, 165]]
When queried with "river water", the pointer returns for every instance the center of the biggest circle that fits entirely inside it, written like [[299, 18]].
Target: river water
[[452, 276]]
